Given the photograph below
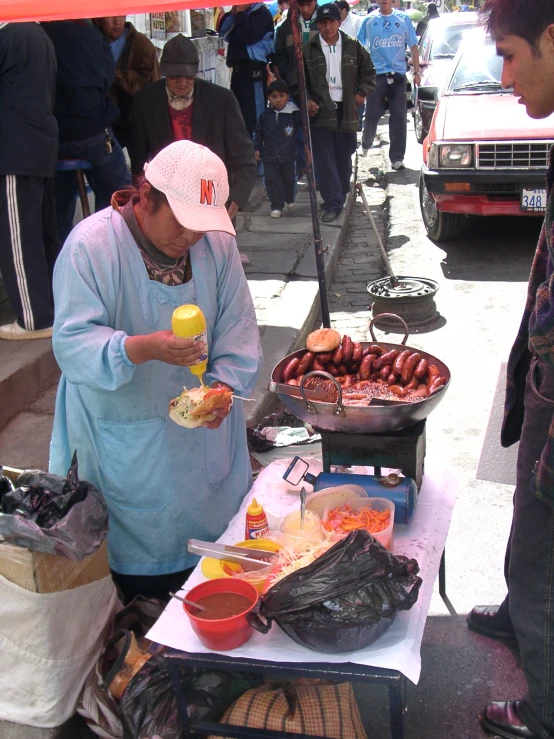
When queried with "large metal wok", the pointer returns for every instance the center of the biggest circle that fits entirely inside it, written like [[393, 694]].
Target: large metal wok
[[379, 417]]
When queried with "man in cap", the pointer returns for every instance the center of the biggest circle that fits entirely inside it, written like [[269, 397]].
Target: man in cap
[[339, 75], [117, 281], [136, 65], [185, 107]]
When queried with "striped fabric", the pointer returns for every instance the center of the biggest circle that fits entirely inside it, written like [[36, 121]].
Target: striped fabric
[[17, 251], [305, 706]]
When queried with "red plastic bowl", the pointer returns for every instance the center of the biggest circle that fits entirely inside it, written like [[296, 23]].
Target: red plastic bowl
[[225, 633]]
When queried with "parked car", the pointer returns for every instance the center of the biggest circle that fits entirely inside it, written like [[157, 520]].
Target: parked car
[[437, 48], [484, 155]]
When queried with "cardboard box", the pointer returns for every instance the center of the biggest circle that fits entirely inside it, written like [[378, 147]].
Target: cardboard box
[[49, 573]]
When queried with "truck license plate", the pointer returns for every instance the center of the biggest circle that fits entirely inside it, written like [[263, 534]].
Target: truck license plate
[[533, 200]]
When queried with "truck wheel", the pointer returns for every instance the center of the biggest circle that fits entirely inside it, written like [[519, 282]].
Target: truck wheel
[[439, 226], [420, 131]]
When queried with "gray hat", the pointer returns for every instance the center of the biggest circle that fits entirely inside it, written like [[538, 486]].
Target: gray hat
[[179, 58]]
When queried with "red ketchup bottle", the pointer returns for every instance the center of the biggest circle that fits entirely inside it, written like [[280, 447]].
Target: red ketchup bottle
[[256, 521]]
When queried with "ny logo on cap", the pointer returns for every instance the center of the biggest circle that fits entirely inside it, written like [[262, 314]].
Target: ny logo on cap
[[207, 192]]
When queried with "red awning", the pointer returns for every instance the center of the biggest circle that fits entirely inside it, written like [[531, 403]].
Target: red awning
[[50, 10]]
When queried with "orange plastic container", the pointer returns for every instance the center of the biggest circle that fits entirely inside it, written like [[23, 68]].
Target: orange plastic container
[[378, 504], [223, 634]]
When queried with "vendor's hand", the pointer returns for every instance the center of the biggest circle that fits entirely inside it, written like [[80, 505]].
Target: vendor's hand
[[163, 346], [220, 413], [360, 100], [257, 155], [232, 210], [313, 108]]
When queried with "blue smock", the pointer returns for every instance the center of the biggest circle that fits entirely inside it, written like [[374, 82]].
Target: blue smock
[[163, 483]]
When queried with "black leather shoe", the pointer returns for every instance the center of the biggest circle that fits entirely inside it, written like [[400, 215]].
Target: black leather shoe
[[501, 718], [330, 215], [485, 620]]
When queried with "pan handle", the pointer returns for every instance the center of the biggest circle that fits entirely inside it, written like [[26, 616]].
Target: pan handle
[[389, 315], [339, 409]]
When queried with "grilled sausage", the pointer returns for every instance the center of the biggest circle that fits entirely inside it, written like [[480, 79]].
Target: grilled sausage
[[318, 365], [349, 381], [342, 369], [384, 359], [421, 369], [398, 390], [391, 379], [432, 373], [305, 363], [347, 349], [357, 352], [409, 366], [324, 357], [437, 383], [399, 361], [290, 370], [338, 356], [376, 349], [385, 371], [332, 370], [292, 381], [412, 385], [365, 366]]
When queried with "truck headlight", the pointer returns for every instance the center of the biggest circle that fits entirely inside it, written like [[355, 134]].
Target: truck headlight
[[455, 156]]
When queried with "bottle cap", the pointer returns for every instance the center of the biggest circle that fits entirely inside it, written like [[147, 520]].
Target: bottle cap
[[255, 509], [188, 320]]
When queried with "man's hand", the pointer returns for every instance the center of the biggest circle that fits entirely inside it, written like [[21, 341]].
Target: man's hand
[[220, 413], [163, 346], [232, 210], [360, 100], [257, 155], [313, 108]]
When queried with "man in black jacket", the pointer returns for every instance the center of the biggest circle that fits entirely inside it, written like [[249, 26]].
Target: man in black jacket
[[283, 56], [183, 106], [29, 242], [86, 69]]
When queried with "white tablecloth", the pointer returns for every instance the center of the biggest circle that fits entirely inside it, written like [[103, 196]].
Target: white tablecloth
[[399, 647]]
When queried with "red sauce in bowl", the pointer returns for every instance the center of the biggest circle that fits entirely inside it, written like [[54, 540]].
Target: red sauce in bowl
[[221, 605]]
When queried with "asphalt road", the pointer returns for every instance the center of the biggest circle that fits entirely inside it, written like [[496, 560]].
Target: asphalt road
[[482, 278]]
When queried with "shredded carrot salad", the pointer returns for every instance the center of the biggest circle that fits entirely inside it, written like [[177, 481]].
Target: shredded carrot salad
[[344, 519]]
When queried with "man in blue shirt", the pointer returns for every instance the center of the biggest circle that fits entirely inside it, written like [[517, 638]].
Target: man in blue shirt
[[385, 33]]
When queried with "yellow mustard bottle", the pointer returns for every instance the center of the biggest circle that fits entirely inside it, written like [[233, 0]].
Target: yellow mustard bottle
[[188, 322]]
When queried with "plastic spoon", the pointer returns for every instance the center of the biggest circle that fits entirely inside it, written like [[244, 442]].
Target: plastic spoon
[[302, 507], [188, 602]]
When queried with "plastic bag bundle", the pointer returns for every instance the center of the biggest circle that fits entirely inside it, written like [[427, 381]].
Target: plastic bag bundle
[[55, 515], [345, 599]]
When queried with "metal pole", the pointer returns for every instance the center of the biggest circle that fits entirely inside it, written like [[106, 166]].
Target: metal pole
[[318, 245]]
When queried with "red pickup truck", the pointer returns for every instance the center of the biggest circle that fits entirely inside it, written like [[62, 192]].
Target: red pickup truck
[[484, 155]]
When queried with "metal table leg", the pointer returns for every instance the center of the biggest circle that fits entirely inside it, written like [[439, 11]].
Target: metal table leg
[[442, 576]]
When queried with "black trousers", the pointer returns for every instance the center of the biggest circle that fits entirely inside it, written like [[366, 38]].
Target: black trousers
[[29, 247], [333, 162], [395, 93], [251, 94], [530, 560], [280, 183]]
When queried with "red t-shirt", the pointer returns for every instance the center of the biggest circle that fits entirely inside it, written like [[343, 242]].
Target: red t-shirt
[[181, 123]]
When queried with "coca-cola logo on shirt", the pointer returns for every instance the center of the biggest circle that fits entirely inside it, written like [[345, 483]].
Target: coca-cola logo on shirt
[[394, 40]]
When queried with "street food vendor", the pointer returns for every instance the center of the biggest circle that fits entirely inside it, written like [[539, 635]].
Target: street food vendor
[[118, 279]]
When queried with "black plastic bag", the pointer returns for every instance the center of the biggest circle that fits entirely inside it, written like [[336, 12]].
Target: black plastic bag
[[344, 600], [259, 442], [55, 515], [149, 707]]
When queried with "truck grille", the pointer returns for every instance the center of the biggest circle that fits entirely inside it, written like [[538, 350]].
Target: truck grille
[[513, 155]]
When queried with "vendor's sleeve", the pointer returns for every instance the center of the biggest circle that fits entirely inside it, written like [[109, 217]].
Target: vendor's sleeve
[[88, 349], [235, 354]]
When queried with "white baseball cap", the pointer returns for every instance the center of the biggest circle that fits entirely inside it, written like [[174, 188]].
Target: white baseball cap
[[194, 181]]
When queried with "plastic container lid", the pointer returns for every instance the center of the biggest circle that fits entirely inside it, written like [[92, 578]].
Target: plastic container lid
[[377, 504], [254, 509]]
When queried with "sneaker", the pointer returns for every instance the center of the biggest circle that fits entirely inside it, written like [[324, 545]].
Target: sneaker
[[275, 214], [363, 152], [398, 165], [330, 215], [290, 206], [244, 260], [14, 332]]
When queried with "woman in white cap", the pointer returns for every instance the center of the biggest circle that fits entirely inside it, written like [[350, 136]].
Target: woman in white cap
[[118, 279]]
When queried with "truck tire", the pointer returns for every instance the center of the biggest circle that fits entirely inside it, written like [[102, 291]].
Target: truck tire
[[439, 226], [419, 128]]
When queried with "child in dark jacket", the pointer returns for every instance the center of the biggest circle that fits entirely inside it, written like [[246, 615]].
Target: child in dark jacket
[[275, 143]]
